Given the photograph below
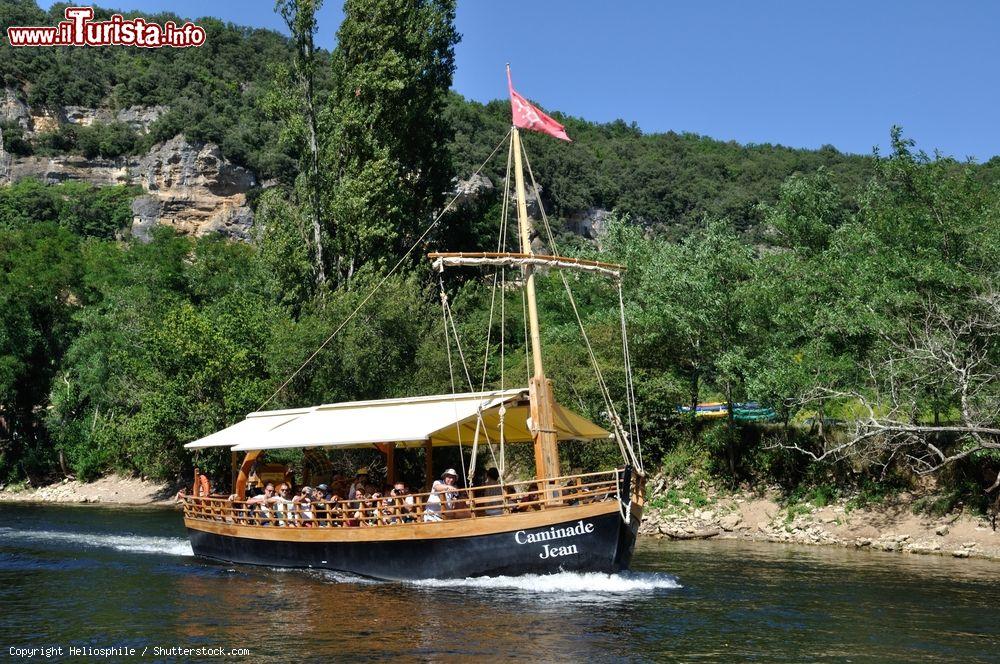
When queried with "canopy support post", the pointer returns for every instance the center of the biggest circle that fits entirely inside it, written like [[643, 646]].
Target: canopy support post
[[241, 480], [234, 469], [428, 464], [390, 463]]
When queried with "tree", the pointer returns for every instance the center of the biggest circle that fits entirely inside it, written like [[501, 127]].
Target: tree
[[387, 151], [300, 16]]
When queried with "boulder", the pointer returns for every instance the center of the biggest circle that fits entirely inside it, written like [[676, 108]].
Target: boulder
[[731, 522]]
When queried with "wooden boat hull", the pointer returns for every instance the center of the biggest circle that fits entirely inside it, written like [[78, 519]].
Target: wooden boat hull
[[585, 538]]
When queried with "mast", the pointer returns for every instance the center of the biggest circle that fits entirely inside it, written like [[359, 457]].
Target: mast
[[543, 427]]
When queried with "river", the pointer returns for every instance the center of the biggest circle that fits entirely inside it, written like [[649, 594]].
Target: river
[[94, 577]]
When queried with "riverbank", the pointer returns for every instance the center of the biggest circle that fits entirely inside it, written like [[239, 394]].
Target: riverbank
[[708, 514], [110, 490], [896, 525]]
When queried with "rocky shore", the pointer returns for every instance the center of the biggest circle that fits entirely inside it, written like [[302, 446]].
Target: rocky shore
[[894, 526], [110, 490]]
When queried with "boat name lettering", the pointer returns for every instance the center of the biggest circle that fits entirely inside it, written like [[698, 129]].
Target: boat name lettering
[[580, 528]]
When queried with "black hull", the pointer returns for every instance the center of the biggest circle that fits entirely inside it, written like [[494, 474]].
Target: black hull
[[601, 543]]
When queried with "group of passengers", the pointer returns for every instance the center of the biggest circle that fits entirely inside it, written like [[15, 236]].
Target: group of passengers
[[363, 505]]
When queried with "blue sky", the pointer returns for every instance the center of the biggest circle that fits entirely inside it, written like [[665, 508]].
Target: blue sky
[[799, 73]]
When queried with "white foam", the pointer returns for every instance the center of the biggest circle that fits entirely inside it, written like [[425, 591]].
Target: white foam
[[173, 546], [563, 582]]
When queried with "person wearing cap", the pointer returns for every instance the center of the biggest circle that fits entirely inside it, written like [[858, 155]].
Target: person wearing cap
[[321, 494], [359, 484], [445, 486]]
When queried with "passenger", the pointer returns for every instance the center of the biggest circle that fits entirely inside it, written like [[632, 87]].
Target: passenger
[[493, 493], [320, 504], [406, 508], [303, 504], [282, 506], [529, 501], [335, 508], [445, 486], [259, 503], [360, 479], [381, 514], [362, 514]]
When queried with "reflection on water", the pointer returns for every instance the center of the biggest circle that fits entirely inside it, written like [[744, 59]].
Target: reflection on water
[[103, 577]]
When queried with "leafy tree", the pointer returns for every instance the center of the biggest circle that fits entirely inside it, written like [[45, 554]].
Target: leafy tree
[[387, 149]]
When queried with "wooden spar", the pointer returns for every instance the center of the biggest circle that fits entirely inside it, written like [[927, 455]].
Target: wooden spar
[[241, 480], [539, 388], [511, 259]]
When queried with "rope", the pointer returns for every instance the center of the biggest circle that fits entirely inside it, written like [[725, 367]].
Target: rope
[[625, 447], [382, 282], [633, 413], [451, 370]]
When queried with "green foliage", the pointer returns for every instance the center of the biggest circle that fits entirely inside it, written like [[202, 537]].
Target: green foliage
[[386, 145], [83, 209]]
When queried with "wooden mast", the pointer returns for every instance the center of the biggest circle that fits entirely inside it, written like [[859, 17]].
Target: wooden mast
[[543, 428]]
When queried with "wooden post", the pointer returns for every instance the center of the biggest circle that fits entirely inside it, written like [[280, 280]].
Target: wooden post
[[241, 480], [428, 464], [390, 464], [234, 469]]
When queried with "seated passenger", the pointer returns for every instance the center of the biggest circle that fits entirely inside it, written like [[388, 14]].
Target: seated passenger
[[282, 506], [258, 505], [320, 505], [492, 495], [529, 501], [303, 505]]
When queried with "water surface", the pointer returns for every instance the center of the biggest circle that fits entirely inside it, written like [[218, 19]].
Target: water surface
[[103, 577]]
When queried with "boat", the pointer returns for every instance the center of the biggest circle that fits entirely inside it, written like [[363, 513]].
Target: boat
[[578, 522]]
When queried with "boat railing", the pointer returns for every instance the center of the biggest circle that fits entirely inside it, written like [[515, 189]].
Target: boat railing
[[387, 510]]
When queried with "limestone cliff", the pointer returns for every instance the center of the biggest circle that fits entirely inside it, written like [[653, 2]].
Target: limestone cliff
[[189, 186]]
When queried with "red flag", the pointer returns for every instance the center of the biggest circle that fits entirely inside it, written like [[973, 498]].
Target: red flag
[[526, 116]]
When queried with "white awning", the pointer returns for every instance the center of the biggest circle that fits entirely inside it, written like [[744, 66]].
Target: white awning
[[442, 419], [254, 424]]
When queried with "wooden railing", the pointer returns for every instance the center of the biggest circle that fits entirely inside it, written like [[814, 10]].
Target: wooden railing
[[473, 503]]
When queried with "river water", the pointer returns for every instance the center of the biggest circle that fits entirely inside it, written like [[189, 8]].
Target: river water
[[92, 577]]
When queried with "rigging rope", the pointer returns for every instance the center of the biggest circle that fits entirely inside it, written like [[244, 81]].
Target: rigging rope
[[628, 453], [382, 281], [451, 371]]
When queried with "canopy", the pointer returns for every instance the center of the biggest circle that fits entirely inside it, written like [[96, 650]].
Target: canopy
[[442, 419], [254, 424]]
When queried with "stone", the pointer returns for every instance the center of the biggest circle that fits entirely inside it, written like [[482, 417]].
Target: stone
[[941, 530], [731, 521], [961, 553]]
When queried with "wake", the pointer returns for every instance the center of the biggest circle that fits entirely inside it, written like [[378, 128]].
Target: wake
[[172, 546], [562, 582]]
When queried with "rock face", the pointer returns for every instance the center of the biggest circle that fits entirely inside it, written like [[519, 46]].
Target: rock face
[[469, 192], [590, 223], [14, 111], [189, 186], [192, 188]]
